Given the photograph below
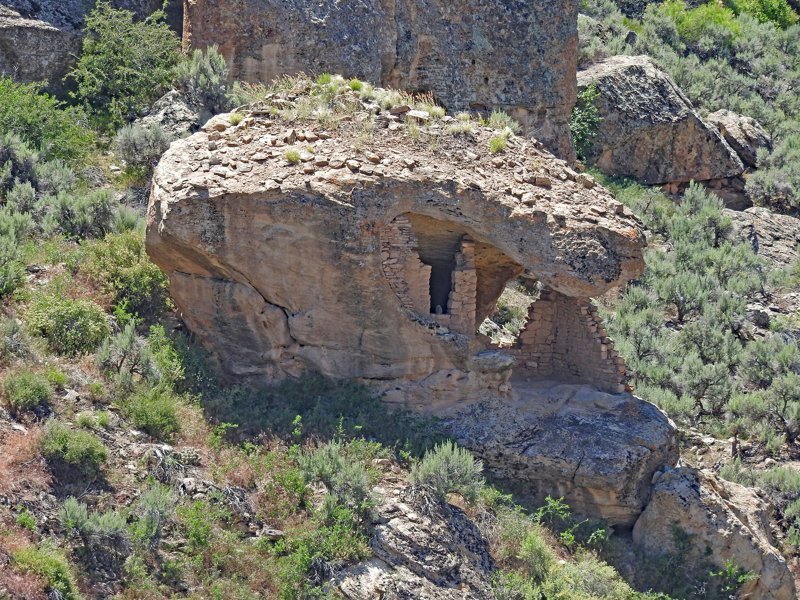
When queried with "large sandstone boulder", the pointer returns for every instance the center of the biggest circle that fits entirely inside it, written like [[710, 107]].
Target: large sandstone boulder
[[599, 451], [378, 249], [744, 134], [470, 54], [650, 131], [725, 522], [423, 548], [773, 236]]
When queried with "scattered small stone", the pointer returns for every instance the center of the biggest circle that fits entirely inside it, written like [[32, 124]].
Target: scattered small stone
[[353, 165], [399, 110]]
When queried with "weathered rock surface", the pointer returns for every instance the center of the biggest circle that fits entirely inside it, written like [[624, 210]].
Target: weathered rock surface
[[423, 549], [744, 134], [471, 54], [650, 131], [176, 114], [726, 522], [597, 450], [34, 50], [374, 258], [40, 39], [774, 237]]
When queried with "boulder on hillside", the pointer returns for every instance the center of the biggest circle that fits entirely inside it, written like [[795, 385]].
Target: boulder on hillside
[[725, 522], [350, 248], [34, 50], [423, 548], [598, 451], [773, 236], [650, 131], [744, 134], [176, 114]]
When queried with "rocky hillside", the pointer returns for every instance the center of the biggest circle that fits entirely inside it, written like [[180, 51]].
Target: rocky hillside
[[378, 334]]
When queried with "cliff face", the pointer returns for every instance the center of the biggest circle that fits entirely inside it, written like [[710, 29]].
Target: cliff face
[[471, 54]]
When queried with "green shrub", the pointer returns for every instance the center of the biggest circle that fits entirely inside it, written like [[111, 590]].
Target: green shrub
[[694, 23], [767, 11], [51, 564], [78, 216], [448, 468], [43, 122], [79, 449], [13, 341], [125, 356], [154, 410], [203, 77], [119, 263], [503, 122], [26, 390], [154, 507], [26, 519], [497, 144], [71, 327], [585, 121], [74, 514], [292, 156], [124, 64], [142, 146], [346, 478], [17, 162]]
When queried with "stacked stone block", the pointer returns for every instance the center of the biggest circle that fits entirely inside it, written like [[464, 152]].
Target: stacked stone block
[[407, 275], [565, 339]]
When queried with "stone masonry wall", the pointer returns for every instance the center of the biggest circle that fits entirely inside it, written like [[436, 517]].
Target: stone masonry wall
[[514, 55], [565, 339], [409, 277]]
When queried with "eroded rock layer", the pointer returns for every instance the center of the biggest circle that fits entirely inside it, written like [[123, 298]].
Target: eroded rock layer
[[296, 246], [516, 56]]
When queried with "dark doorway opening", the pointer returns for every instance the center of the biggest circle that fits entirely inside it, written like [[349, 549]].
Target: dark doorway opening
[[442, 284]]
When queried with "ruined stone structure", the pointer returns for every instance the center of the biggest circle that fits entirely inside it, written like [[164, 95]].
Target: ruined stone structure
[[471, 54], [566, 340], [375, 254]]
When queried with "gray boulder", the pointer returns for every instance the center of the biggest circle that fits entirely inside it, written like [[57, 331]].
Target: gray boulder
[[774, 237], [744, 134], [650, 131], [597, 450], [176, 114]]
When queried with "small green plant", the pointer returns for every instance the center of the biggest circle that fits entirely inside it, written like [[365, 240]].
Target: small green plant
[[154, 410], [25, 391], [497, 144], [51, 564], [86, 420], [203, 76], [77, 449], [585, 121], [292, 156], [448, 468], [155, 507], [236, 118], [71, 327], [103, 419], [554, 510], [503, 122], [356, 85], [26, 519], [74, 514], [142, 147], [198, 520]]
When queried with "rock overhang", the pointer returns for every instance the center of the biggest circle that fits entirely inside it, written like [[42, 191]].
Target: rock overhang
[[290, 227]]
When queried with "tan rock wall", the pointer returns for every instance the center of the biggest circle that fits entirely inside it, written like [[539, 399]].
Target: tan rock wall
[[565, 339], [471, 54]]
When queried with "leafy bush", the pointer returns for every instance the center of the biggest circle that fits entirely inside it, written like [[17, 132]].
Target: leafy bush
[[142, 146], [79, 449], [775, 11], [203, 77], [497, 144], [79, 216], [154, 410], [43, 122], [125, 356], [51, 564], [694, 23], [503, 122], [449, 468], [124, 64], [71, 327], [585, 121], [119, 263], [12, 270], [154, 507], [26, 390], [346, 478]]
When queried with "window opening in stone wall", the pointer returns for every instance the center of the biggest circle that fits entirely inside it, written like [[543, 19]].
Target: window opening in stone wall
[[441, 284], [511, 314]]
